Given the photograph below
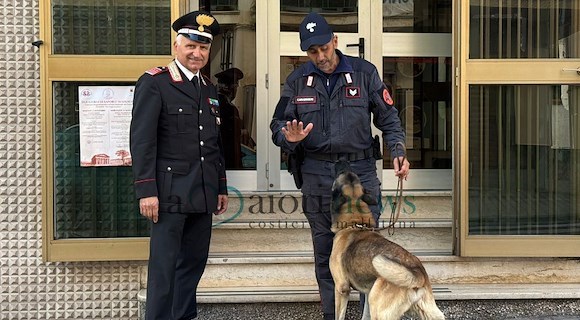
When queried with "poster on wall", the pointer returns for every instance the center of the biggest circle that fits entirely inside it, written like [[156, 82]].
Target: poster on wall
[[104, 121]]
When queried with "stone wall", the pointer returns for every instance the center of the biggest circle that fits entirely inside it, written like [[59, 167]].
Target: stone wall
[[29, 287]]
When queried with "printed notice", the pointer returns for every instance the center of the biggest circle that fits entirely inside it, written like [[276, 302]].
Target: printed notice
[[104, 120]]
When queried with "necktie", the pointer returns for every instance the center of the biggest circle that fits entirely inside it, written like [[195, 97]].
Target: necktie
[[195, 81]]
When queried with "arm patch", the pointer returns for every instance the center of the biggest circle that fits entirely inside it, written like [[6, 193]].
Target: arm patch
[[387, 97]]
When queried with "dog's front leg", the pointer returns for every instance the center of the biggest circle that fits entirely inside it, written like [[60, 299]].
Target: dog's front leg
[[366, 315], [341, 294]]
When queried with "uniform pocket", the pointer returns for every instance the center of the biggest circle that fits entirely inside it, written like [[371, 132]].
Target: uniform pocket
[[310, 113], [166, 169], [183, 114], [354, 117]]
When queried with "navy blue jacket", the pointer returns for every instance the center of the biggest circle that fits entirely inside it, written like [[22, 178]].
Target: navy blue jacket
[[341, 118]]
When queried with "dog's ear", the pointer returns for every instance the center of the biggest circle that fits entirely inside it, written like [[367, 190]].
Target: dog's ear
[[369, 199], [341, 167], [338, 199]]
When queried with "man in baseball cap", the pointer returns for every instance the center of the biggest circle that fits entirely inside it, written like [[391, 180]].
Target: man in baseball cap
[[314, 30]]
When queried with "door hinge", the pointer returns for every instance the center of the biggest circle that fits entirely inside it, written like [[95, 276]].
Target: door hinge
[[267, 170], [457, 76], [266, 78]]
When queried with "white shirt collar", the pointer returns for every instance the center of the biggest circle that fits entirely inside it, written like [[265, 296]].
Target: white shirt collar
[[185, 71]]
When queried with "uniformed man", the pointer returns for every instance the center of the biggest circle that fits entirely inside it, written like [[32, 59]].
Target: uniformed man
[[178, 165], [231, 128], [326, 108]]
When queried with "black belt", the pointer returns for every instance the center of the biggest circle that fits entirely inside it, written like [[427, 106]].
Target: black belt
[[347, 156]]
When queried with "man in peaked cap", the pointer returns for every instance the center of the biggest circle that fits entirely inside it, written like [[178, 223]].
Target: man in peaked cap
[[325, 109], [178, 167], [231, 128], [233, 134]]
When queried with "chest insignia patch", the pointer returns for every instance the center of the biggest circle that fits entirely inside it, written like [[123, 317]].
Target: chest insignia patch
[[304, 100], [387, 97], [352, 92], [215, 112], [213, 102]]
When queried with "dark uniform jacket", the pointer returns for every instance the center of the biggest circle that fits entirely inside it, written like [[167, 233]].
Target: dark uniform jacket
[[175, 142], [231, 131], [341, 118]]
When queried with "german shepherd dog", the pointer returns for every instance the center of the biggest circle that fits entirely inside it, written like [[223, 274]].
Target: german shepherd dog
[[393, 279]]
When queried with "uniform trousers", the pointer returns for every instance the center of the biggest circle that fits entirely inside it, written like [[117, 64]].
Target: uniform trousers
[[316, 207], [179, 247]]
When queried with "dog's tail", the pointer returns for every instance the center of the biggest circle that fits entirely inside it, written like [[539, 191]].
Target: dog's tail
[[397, 273]]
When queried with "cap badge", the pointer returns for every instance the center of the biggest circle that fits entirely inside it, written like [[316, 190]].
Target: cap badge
[[204, 21], [310, 26]]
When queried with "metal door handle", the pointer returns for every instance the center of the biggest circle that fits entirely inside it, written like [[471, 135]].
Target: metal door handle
[[570, 69], [361, 47]]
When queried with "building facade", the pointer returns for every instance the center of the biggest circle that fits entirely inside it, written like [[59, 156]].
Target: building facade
[[488, 93]]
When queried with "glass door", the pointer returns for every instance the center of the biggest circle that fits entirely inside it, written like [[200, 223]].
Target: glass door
[[417, 67], [410, 41], [519, 128], [233, 71]]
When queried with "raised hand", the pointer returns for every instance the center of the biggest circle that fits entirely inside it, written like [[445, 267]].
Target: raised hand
[[295, 131]]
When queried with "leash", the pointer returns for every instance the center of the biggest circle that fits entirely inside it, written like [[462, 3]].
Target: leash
[[397, 202]]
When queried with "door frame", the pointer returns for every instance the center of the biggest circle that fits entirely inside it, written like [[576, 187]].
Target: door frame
[[499, 71]]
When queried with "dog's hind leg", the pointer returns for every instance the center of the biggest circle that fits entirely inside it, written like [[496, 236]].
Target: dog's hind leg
[[387, 301], [426, 308]]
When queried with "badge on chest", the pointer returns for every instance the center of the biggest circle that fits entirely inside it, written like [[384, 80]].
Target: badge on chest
[[214, 106], [352, 92]]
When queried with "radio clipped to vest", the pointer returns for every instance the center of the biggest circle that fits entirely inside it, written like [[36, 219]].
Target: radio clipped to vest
[[294, 162], [377, 153]]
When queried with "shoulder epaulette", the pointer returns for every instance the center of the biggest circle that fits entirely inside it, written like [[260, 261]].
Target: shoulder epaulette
[[155, 71]]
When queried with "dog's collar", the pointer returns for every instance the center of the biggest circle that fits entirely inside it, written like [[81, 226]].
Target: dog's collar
[[362, 226]]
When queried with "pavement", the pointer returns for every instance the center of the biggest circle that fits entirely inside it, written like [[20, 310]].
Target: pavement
[[554, 309]]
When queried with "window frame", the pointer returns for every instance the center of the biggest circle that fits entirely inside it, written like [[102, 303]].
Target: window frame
[[64, 67]]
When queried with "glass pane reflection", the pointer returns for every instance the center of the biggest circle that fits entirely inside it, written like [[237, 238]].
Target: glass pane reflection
[[89, 202], [342, 15], [425, 16], [111, 27], [524, 160], [235, 47], [421, 88], [524, 29]]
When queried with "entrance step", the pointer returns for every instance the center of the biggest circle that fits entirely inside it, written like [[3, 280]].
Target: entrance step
[[447, 292], [421, 236]]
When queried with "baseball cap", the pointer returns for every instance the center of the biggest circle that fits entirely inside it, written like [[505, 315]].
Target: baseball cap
[[314, 31]]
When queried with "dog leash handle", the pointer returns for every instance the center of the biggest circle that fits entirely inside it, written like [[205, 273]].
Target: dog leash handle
[[397, 203]]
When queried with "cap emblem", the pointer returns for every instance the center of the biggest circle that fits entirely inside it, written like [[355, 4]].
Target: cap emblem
[[204, 20], [310, 26]]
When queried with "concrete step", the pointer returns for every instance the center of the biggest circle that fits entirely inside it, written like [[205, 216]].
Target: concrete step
[[295, 237], [441, 292], [280, 207], [446, 292]]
